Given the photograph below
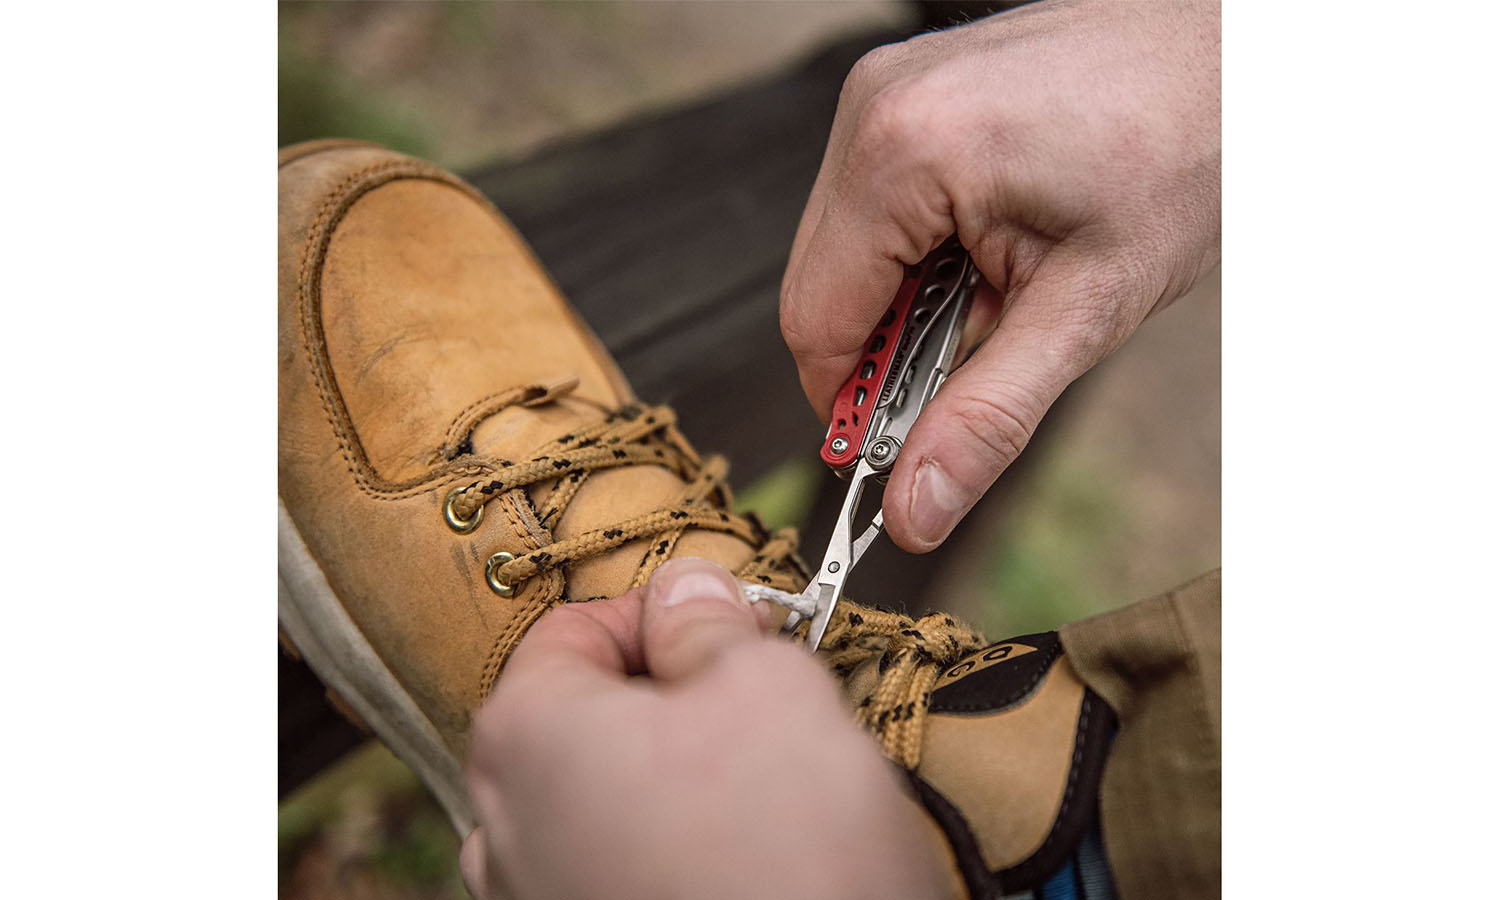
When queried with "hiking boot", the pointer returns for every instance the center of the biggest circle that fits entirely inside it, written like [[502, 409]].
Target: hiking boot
[[458, 453], [1005, 749]]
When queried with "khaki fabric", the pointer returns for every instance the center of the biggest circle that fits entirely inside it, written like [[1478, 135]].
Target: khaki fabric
[[1157, 663]]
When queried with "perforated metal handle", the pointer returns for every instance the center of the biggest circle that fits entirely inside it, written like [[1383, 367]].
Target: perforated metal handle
[[906, 359]]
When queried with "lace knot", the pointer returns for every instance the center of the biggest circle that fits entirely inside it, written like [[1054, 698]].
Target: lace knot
[[912, 655]]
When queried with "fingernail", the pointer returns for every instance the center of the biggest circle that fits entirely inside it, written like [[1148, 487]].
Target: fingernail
[[937, 502], [690, 578]]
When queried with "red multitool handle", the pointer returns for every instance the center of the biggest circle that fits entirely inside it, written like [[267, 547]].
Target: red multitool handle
[[855, 403]]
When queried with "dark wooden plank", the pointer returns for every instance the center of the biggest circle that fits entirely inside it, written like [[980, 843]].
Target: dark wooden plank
[[310, 733], [670, 236]]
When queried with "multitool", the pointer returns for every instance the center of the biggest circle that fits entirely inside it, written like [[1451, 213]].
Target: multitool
[[908, 356]]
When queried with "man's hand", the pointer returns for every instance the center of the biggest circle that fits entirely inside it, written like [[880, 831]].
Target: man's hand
[[733, 770], [1074, 148]]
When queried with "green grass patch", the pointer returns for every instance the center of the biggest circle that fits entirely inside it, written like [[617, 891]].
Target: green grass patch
[[371, 768], [422, 850], [1045, 571], [783, 496], [314, 100], [411, 842]]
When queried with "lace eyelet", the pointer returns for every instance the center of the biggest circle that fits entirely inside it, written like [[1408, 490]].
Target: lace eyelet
[[492, 574], [462, 526]]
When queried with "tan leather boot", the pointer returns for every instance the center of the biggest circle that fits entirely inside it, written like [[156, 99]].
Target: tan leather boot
[[458, 454], [1009, 752]]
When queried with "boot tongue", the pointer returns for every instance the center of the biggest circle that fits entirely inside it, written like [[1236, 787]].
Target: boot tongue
[[861, 683], [607, 497]]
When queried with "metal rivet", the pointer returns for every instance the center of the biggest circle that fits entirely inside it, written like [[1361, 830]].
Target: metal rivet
[[462, 526], [833, 566], [882, 452], [492, 574]]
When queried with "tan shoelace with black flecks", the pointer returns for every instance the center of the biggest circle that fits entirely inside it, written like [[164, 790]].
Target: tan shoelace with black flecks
[[916, 651]]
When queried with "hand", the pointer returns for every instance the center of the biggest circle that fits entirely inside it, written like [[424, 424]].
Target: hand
[[734, 770], [1074, 148]]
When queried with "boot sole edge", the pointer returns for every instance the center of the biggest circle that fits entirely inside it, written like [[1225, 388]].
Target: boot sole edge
[[332, 645]]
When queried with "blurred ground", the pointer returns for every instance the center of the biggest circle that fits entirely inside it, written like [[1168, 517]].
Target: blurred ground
[[464, 84], [1124, 504]]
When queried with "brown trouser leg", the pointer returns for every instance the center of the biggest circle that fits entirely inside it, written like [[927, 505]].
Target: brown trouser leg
[[1157, 664]]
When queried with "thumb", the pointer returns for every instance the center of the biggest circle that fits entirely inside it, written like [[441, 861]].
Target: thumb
[[983, 416], [693, 612]]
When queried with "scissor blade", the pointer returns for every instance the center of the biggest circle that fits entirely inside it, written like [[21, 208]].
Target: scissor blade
[[825, 594], [828, 597], [866, 539], [838, 559]]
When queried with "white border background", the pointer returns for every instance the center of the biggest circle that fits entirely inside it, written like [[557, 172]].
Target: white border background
[[1360, 338], [1361, 328], [140, 440]]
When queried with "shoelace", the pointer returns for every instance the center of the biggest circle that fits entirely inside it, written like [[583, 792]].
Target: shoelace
[[913, 653]]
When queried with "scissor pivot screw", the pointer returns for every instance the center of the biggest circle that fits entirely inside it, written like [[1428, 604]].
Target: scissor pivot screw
[[839, 445], [882, 452], [833, 566]]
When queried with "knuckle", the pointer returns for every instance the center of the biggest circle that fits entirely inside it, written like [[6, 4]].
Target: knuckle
[[976, 194], [793, 320], [695, 628], [1082, 337], [1106, 307], [993, 424], [895, 119], [1115, 277], [868, 71]]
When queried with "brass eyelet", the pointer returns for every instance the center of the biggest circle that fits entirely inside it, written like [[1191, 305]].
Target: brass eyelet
[[492, 574], [462, 526]]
